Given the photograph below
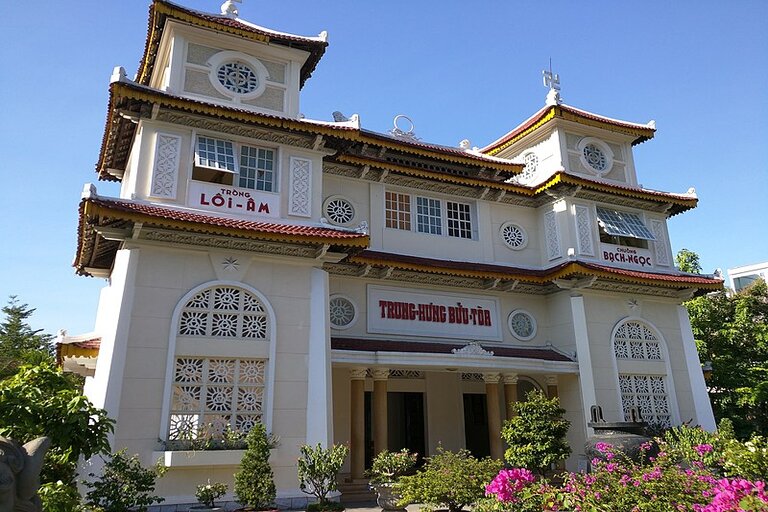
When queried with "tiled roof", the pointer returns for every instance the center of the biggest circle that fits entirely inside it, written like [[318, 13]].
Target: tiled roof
[[161, 10], [376, 345], [541, 276], [641, 132], [161, 213]]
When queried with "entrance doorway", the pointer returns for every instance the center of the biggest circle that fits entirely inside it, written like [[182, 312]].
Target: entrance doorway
[[476, 425], [405, 424]]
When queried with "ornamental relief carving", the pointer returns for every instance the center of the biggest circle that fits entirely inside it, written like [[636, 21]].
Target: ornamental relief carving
[[552, 235], [165, 173], [300, 193], [229, 243], [584, 231], [659, 246]]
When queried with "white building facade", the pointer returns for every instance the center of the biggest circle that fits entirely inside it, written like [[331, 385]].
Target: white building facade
[[347, 286]]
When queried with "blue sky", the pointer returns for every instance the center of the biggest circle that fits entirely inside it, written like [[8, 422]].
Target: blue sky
[[458, 69]]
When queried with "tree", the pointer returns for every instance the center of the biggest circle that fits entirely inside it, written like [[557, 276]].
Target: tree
[[536, 433], [317, 470], [688, 261], [731, 331], [19, 343], [254, 483], [42, 401]]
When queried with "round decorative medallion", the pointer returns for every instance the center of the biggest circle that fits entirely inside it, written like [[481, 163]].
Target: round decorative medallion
[[522, 325], [338, 210], [513, 235], [342, 312], [238, 77], [531, 165], [595, 155]]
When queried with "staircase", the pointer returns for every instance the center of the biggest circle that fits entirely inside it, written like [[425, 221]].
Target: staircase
[[355, 491]]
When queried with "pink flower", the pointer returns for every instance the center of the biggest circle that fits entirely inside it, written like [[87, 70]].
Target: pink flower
[[703, 449], [508, 484], [603, 447]]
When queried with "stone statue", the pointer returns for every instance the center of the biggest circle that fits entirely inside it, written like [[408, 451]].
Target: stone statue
[[20, 474]]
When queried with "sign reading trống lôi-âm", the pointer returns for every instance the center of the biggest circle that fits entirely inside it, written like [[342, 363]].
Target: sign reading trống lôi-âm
[[441, 315], [227, 199]]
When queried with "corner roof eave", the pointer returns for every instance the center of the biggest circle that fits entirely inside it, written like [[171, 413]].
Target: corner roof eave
[[162, 10], [639, 132]]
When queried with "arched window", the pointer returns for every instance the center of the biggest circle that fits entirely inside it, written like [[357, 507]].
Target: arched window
[[642, 372], [213, 395]]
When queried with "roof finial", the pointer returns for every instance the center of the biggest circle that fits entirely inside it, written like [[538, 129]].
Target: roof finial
[[552, 81], [229, 9]]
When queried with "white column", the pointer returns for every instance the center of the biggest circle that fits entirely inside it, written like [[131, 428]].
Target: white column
[[494, 414], [510, 393], [319, 389], [586, 377], [380, 415], [357, 427], [701, 404]]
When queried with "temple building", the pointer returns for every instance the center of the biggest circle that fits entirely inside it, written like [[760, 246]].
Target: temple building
[[348, 286]]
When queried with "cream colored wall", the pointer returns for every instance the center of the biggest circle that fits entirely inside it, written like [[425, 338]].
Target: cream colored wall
[[162, 278]]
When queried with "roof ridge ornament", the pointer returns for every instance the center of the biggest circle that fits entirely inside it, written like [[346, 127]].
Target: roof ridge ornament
[[552, 80], [399, 132], [229, 9]]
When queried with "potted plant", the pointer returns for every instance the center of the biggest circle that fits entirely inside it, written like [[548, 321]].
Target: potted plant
[[207, 494], [255, 482], [386, 470], [317, 470]]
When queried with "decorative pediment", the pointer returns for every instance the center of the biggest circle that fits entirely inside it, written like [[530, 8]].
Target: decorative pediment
[[472, 349]]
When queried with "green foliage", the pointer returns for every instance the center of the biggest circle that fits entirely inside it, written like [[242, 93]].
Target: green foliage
[[451, 479], [747, 460], [254, 482], [124, 485], [683, 445], [207, 494], [41, 401], [209, 438], [731, 331], [60, 497], [317, 470], [387, 467], [688, 261], [536, 433], [19, 343]]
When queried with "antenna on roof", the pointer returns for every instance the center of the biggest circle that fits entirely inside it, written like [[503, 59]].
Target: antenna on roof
[[552, 81], [229, 9]]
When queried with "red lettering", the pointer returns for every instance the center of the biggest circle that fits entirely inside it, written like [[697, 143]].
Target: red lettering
[[202, 199], [250, 205], [217, 200], [264, 207]]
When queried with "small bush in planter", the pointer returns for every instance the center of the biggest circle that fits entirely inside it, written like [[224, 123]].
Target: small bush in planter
[[255, 483], [388, 467], [317, 470], [207, 494], [450, 479], [124, 485]]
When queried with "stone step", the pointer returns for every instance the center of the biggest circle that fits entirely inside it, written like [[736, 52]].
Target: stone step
[[356, 491]]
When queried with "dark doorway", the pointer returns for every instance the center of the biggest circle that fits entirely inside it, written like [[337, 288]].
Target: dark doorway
[[368, 429], [476, 425], [405, 424]]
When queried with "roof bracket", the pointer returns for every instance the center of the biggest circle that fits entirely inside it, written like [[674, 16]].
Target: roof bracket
[[492, 284], [319, 142], [387, 272], [137, 230], [575, 283], [364, 271], [364, 171], [686, 294], [321, 251], [501, 195], [114, 234], [384, 175]]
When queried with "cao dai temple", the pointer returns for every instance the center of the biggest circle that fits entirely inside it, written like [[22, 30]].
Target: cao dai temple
[[347, 286]]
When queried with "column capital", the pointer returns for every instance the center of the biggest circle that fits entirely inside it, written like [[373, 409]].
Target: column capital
[[358, 373], [491, 378], [510, 378], [551, 380], [380, 373]]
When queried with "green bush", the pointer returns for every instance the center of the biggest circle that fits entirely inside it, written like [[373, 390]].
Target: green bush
[[317, 470], [748, 459], [60, 497], [387, 467], [124, 485], [451, 479], [536, 433], [255, 483]]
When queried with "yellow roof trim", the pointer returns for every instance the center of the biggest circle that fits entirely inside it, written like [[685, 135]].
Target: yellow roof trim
[[92, 209], [67, 350], [535, 126]]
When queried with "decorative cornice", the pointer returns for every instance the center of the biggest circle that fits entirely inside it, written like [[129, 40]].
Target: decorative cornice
[[472, 349]]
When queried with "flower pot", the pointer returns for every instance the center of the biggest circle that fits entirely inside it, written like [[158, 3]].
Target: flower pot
[[387, 497]]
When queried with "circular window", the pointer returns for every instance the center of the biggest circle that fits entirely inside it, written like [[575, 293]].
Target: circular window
[[531, 165], [522, 325], [339, 210], [513, 235], [595, 155], [343, 313], [238, 77]]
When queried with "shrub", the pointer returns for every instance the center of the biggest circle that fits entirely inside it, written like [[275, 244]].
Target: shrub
[[124, 485], [388, 467], [451, 479], [255, 483], [317, 470], [60, 497], [536, 434], [748, 459], [207, 494], [685, 444]]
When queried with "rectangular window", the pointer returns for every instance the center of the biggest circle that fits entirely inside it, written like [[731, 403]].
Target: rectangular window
[[397, 209], [428, 216], [622, 228], [257, 168], [648, 393], [215, 162], [459, 220]]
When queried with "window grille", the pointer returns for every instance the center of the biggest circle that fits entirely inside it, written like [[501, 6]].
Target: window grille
[[398, 210], [623, 224], [459, 220], [428, 215]]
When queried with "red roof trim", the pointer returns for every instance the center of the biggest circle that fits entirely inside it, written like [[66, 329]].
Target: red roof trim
[[375, 345]]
